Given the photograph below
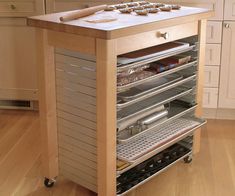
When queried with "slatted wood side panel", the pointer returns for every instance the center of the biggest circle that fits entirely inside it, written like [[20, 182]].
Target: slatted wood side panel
[[76, 114]]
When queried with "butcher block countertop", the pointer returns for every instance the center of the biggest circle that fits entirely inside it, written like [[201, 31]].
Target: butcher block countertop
[[123, 25]]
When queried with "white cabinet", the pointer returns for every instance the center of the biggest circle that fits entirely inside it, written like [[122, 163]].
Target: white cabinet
[[211, 76], [213, 54], [214, 32], [229, 10], [227, 77], [210, 97], [18, 74], [18, 71]]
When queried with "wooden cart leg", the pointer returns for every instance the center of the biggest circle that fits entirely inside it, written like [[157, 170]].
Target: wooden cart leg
[[47, 105], [106, 116], [201, 55]]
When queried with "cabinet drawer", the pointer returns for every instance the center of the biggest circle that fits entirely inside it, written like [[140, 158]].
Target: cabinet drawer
[[213, 54], [210, 97], [21, 8], [211, 76], [153, 38], [229, 10], [214, 32]]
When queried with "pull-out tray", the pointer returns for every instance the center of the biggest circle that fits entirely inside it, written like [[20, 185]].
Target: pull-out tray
[[157, 173], [150, 103], [175, 111], [159, 75], [153, 142], [165, 52], [146, 93]]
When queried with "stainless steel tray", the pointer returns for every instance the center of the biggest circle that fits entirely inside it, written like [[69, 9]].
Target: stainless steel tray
[[152, 102], [148, 87], [133, 99], [175, 112], [167, 54], [157, 173], [152, 142], [159, 75]]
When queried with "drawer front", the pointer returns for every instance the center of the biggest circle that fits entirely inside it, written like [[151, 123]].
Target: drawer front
[[210, 97], [229, 10], [21, 8], [213, 54], [211, 76], [214, 32], [152, 38]]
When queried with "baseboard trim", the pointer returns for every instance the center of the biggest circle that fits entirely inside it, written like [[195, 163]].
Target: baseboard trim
[[18, 94], [224, 114]]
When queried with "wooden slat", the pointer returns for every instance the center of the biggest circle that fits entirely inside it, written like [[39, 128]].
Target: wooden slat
[[75, 126], [200, 80], [47, 105], [106, 116]]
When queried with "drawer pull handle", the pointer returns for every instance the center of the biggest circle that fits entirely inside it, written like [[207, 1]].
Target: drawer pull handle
[[13, 7], [226, 25], [165, 35]]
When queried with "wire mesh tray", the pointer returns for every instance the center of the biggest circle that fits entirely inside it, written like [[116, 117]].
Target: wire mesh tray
[[152, 102], [157, 173], [159, 56], [175, 111], [134, 99], [159, 75], [149, 143]]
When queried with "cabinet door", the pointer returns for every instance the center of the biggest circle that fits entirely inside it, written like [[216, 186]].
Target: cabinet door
[[227, 77], [213, 54], [18, 74], [211, 76], [210, 97], [214, 32], [229, 10]]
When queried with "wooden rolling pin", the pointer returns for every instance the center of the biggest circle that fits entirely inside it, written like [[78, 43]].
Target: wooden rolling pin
[[82, 13]]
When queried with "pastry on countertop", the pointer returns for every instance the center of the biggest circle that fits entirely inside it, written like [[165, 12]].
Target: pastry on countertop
[[132, 4], [175, 7], [126, 10], [150, 5], [142, 12], [120, 6], [153, 10], [137, 8], [166, 8]]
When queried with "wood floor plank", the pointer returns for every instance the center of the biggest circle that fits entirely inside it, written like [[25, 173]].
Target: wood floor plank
[[212, 172], [20, 159]]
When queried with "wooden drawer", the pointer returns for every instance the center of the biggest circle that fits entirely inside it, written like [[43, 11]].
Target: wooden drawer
[[213, 54], [211, 76], [152, 38], [216, 5], [210, 97], [214, 32], [229, 10], [21, 8]]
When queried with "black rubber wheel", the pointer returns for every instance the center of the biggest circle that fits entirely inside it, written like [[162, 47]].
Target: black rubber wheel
[[48, 183], [188, 159]]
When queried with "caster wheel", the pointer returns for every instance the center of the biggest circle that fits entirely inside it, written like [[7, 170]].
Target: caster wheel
[[49, 183], [188, 159]]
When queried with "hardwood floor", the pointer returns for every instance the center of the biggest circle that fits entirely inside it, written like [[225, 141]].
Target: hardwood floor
[[212, 172]]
